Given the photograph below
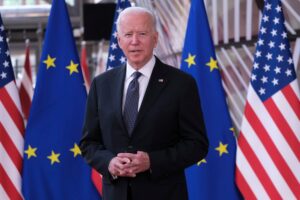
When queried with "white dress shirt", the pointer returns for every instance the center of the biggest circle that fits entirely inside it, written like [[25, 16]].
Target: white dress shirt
[[146, 72]]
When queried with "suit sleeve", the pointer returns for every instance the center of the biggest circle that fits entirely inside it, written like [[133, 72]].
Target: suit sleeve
[[193, 143], [91, 143]]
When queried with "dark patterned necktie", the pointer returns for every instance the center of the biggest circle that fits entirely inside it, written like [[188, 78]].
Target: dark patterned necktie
[[131, 102]]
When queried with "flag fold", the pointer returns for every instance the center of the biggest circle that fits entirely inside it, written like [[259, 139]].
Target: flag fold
[[26, 88]]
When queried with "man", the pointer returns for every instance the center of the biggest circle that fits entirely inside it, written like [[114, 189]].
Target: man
[[143, 122]]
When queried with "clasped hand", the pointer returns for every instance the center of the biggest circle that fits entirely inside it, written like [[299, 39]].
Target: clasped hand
[[129, 164]]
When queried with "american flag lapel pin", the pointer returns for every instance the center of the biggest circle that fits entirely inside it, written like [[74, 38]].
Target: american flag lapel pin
[[161, 80]]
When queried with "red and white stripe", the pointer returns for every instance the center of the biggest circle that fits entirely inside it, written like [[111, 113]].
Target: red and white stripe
[[95, 176], [26, 88], [268, 153], [101, 59], [12, 142], [84, 67], [97, 180]]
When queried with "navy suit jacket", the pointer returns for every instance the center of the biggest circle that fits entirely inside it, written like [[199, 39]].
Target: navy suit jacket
[[169, 127]]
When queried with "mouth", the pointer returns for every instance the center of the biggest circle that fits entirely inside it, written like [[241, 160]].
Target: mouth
[[135, 51]]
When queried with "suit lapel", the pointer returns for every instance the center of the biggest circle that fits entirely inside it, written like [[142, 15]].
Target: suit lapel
[[117, 94], [155, 86]]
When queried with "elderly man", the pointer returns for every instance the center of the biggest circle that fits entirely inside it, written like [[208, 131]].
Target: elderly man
[[143, 123]]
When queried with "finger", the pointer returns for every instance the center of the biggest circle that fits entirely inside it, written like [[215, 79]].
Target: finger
[[142, 154], [116, 163], [124, 160], [134, 170], [129, 172], [125, 173], [126, 155], [122, 165], [132, 175]]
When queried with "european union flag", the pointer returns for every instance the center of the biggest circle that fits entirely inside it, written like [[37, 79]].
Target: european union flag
[[212, 177], [53, 167]]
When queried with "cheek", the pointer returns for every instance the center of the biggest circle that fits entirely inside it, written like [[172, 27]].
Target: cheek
[[122, 44], [155, 40], [152, 44]]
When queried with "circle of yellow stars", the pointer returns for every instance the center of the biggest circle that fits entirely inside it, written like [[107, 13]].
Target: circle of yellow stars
[[50, 63], [54, 156]]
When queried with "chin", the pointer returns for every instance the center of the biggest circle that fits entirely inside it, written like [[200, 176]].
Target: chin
[[136, 62]]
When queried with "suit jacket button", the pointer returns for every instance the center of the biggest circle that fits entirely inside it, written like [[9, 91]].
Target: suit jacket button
[[130, 149]]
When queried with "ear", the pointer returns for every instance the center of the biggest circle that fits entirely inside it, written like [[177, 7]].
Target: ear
[[119, 40], [155, 38]]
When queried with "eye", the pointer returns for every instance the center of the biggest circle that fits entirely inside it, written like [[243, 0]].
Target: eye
[[143, 33], [127, 35]]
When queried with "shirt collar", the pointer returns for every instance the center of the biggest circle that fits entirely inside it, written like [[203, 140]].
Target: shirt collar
[[146, 70]]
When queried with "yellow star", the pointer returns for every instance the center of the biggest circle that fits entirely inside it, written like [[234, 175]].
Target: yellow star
[[76, 150], [201, 161], [49, 62], [212, 64], [190, 60], [222, 148], [72, 67], [30, 152], [54, 157]]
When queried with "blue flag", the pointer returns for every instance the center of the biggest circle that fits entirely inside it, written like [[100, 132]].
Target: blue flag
[[53, 167], [212, 177], [116, 56]]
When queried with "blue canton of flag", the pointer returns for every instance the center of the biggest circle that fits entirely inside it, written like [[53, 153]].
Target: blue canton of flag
[[53, 166], [6, 70], [273, 65], [116, 57], [212, 177]]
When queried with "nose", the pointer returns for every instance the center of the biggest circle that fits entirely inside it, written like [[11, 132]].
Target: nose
[[135, 39]]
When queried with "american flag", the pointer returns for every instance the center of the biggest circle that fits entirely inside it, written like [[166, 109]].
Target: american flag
[[268, 153], [100, 60], [11, 127], [116, 57], [26, 88]]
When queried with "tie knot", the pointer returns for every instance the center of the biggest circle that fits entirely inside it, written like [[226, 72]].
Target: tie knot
[[136, 75]]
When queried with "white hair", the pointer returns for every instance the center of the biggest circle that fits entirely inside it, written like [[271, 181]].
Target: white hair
[[136, 10]]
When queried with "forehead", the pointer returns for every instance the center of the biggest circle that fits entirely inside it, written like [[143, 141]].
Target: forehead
[[136, 20]]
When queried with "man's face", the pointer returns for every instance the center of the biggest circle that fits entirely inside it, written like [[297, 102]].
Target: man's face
[[137, 38]]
